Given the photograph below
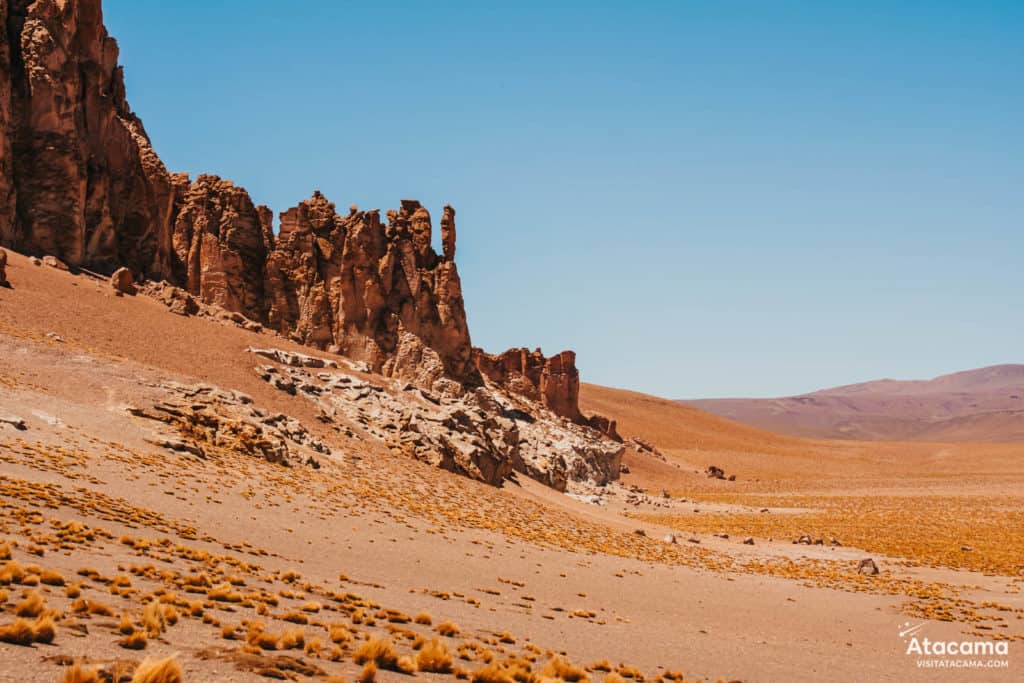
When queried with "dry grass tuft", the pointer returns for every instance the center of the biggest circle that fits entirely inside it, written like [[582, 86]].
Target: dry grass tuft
[[448, 629], [492, 673], [434, 657], [32, 606], [44, 630], [381, 651], [127, 625], [134, 641], [561, 669], [159, 671], [76, 674], [292, 639], [18, 633], [368, 674], [340, 634], [51, 578], [153, 619], [424, 618]]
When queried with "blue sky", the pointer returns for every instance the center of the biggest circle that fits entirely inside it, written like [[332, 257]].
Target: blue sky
[[701, 198]]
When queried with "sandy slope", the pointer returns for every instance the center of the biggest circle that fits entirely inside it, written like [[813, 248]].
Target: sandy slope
[[524, 560]]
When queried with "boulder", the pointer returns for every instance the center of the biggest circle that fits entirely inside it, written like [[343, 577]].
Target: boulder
[[122, 281], [55, 262]]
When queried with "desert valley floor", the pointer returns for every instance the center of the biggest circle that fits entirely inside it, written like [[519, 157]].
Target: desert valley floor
[[118, 543]]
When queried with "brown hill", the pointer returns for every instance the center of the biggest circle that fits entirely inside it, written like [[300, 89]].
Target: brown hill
[[695, 439], [986, 404]]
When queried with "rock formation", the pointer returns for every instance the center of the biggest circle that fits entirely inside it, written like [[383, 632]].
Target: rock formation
[[80, 184], [372, 291], [484, 433], [78, 177], [3, 262], [554, 381], [219, 241]]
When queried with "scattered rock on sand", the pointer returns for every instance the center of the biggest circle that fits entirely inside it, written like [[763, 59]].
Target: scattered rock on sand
[[55, 262], [670, 538], [748, 541], [122, 281], [715, 472], [867, 567], [14, 421]]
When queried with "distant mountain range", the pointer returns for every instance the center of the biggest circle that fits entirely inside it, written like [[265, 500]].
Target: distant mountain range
[[986, 404]]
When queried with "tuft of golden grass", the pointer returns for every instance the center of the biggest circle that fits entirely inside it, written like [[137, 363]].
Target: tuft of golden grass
[[166, 670], [76, 674], [134, 641], [559, 668], [368, 674], [448, 629], [340, 634], [32, 606], [12, 572], [51, 578], [44, 630], [434, 657], [127, 625], [153, 619], [424, 618], [292, 639], [381, 651], [18, 633], [492, 673]]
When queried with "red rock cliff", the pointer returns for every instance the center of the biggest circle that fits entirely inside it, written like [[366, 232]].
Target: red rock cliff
[[554, 381], [78, 176]]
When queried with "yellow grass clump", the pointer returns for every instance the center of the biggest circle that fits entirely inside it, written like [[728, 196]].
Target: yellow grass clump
[[134, 641], [448, 629], [44, 630], [32, 606], [434, 657], [159, 671], [381, 651], [368, 674], [76, 674], [491, 673], [18, 633]]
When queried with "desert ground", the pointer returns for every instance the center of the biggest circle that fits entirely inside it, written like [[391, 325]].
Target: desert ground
[[117, 546]]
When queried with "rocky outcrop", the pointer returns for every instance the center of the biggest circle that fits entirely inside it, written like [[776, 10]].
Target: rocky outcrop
[[81, 186], [554, 381], [3, 263], [206, 418], [485, 433], [373, 291], [78, 176], [219, 241]]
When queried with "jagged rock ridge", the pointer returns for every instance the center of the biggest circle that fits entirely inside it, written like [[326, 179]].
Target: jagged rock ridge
[[81, 182]]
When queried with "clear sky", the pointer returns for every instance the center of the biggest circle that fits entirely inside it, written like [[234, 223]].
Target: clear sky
[[701, 198]]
